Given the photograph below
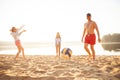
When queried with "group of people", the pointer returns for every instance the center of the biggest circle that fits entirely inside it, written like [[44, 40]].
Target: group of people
[[89, 38]]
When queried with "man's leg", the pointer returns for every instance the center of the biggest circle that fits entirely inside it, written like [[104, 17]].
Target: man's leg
[[87, 50], [93, 51]]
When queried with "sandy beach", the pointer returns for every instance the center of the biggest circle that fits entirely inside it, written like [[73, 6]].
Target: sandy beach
[[50, 68]]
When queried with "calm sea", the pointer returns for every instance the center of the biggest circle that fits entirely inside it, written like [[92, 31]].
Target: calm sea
[[48, 48]]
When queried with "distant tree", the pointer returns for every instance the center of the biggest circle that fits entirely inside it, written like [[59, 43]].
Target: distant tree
[[111, 42]]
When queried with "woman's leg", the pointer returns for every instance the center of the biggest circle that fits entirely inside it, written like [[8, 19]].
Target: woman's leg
[[23, 53], [19, 50], [57, 50]]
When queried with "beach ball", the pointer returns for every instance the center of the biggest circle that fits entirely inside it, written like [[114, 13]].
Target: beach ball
[[66, 53]]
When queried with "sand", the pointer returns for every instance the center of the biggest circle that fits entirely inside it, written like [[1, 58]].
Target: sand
[[50, 68]]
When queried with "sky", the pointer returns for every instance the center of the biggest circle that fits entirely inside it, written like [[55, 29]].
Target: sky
[[44, 18]]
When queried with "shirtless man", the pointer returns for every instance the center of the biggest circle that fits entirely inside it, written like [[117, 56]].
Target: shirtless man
[[90, 37]]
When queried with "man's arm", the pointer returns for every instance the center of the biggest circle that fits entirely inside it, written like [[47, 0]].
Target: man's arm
[[83, 34], [98, 33]]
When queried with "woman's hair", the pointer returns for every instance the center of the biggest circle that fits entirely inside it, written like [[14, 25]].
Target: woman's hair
[[13, 29], [58, 35]]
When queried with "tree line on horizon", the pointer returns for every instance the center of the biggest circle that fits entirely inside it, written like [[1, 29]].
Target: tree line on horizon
[[111, 42]]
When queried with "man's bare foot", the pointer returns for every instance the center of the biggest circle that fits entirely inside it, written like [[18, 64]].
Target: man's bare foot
[[89, 58], [24, 58], [15, 59]]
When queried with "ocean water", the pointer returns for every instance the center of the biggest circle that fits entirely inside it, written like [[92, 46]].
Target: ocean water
[[47, 48]]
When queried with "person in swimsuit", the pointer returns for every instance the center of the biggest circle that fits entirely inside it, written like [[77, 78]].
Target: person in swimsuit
[[16, 33], [66, 53], [90, 37], [58, 44]]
